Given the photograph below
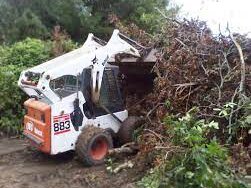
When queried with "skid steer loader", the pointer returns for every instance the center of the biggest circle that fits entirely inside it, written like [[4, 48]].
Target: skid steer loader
[[75, 100]]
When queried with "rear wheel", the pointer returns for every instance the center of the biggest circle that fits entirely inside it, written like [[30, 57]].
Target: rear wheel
[[92, 145]]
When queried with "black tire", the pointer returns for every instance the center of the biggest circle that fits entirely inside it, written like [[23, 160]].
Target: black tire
[[92, 145], [125, 133]]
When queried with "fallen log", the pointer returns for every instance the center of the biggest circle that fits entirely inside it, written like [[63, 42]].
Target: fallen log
[[129, 148]]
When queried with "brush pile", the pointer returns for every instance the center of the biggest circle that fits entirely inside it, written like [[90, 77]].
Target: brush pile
[[194, 68], [198, 69]]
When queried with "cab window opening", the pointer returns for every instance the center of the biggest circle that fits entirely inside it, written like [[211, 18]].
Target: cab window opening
[[65, 85]]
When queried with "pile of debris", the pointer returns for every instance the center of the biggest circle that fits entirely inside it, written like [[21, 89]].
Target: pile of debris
[[194, 69]]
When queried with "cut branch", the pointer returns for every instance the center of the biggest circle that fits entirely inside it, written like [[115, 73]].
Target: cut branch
[[127, 164], [243, 66]]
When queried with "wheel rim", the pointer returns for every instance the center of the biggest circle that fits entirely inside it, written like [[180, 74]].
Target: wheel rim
[[99, 148]]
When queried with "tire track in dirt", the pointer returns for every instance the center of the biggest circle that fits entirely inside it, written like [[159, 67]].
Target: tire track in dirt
[[24, 167]]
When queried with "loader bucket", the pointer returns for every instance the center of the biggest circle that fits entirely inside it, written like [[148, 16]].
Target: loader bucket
[[137, 75]]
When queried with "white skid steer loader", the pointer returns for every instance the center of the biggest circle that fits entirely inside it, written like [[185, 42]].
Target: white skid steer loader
[[75, 102]]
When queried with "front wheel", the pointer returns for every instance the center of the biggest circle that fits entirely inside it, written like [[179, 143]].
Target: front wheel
[[125, 133], [92, 145]]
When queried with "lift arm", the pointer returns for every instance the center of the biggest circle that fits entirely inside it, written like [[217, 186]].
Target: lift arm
[[115, 45]]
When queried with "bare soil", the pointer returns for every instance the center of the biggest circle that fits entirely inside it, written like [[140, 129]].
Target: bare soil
[[23, 167]]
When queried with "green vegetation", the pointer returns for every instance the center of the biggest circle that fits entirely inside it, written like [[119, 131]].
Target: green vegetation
[[13, 60], [27, 53], [196, 161], [11, 99], [36, 18], [237, 123]]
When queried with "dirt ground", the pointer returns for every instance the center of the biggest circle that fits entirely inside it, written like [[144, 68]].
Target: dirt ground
[[23, 167]]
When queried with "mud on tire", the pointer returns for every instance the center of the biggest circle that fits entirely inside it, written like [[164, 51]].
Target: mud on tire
[[92, 145], [125, 133]]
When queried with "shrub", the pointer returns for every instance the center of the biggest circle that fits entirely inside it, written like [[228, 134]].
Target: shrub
[[11, 99], [200, 162], [27, 53], [14, 59]]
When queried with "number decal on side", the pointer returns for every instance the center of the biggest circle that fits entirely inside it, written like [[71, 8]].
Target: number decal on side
[[61, 124]]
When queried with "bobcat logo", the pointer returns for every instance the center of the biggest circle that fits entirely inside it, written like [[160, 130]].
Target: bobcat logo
[[29, 126]]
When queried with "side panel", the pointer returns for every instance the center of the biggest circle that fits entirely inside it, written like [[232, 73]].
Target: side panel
[[64, 135], [62, 130], [107, 121]]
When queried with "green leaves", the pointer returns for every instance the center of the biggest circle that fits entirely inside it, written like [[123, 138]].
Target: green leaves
[[11, 99], [248, 119], [225, 110], [26, 53], [212, 124], [202, 163], [36, 18], [13, 60], [187, 130]]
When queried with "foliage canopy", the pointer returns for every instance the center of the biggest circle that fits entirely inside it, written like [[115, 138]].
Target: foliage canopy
[[36, 18]]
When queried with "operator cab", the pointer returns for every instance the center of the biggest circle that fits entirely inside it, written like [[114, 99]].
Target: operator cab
[[110, 95]]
